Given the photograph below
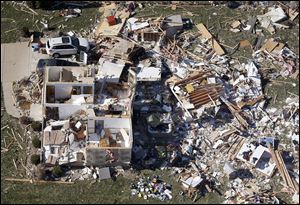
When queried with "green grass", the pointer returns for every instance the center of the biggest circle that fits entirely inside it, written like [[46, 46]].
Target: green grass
[[219, 25], [278, 92], [11, 18], [106, 191], [7, 166]]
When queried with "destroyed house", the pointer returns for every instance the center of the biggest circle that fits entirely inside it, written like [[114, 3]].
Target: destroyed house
[[67, 90], [88, 114], [109, 125], [62, 144]]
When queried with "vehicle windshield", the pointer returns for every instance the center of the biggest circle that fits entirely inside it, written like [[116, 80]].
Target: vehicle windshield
[[75, 42], [65, 39]]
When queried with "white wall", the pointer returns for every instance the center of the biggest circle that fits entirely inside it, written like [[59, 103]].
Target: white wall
[[65, 110], [54, 73], [63, 91], [115, 122]]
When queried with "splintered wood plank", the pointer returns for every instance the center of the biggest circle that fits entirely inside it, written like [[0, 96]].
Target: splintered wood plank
[[203, 30], [269, 45], [292, 14], [205, 33]]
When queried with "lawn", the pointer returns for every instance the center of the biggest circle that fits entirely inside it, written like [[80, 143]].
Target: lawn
[[107, 191], [14, 18]]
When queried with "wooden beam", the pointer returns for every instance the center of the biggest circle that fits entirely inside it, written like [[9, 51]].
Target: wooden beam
[[289, 179], [205, 96], [215, 45], [207, 91], [237, 148], [206, 87], [189, 78], [274, 157], [204, 101], [198, 79], [240, 119]]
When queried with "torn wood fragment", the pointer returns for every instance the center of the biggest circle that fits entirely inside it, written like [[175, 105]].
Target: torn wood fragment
[[15, 165], [205, 33], [269, 45], [2, 128], [235, 24], [240, 119], [252, 22], [292, 14]]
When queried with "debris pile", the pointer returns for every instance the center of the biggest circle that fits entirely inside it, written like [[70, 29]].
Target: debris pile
[[152, 187], [95, 173], [219, 117], [28, 91], [207, 109]]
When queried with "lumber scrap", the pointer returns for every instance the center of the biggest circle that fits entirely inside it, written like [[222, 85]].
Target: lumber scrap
[[208, 188], [250, 102], [13, 134], [277, 157], [240, 119], [269, 46], [2, 128], [252, 22], [287, 175], [292, 14], [279, 167], [15, 165], [237, 149], [215, 45]]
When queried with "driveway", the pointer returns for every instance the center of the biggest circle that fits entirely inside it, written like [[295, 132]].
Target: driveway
[[17, 61]]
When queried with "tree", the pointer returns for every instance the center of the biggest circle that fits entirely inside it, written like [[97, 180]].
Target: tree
[[35, 159], [25, 120], [45, 4], [36, 126], [31, 4], [56, 171], [36, 142]]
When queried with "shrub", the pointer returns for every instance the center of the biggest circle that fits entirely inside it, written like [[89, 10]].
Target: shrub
[[56, 171], [36, 142], [25, 32], [35, 159], [45, 4], [31, 4], [36, 126], [25, 120]]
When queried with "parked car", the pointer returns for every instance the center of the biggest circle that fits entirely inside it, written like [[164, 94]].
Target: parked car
[[42, 63], [66, 45]]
